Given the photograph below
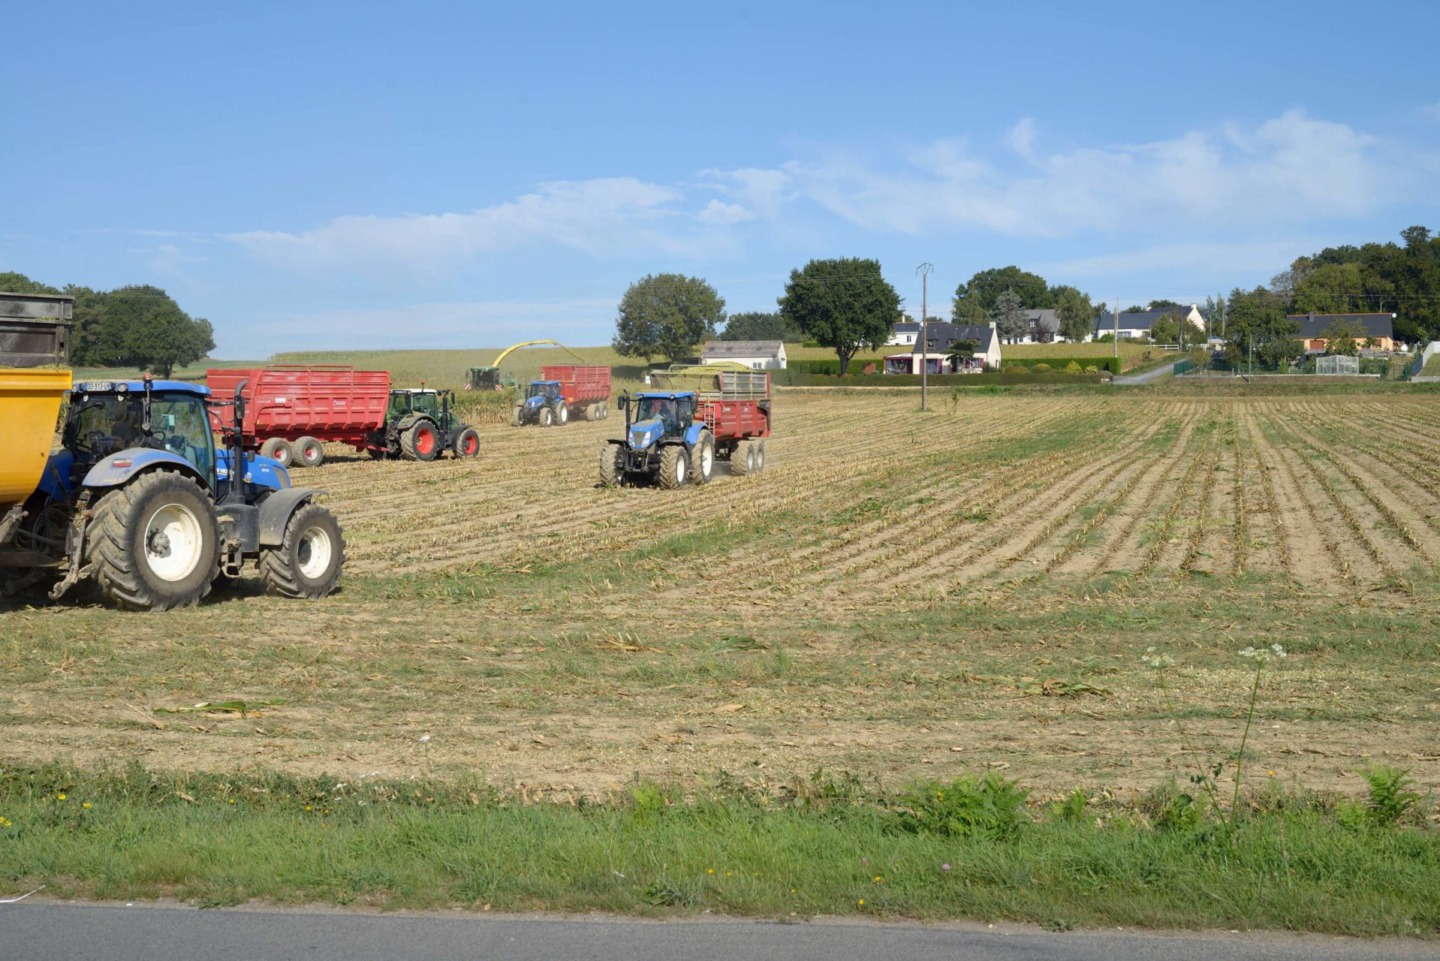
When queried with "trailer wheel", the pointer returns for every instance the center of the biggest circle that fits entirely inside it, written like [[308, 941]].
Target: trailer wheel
[[308, 560], [742, 459], [759, 457], [674, 467], [154, 543], [467, 443], [589, 412], [278, 448], [605, 410], [517, 416], [421, 441], [547, 417], [611, 470], [562, 414], [702, 458], [309, 452]]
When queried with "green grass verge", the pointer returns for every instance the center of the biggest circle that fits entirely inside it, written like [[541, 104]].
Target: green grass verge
[[969, 848]]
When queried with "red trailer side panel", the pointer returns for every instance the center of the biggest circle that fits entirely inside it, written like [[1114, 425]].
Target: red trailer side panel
[[329, 402], [580, 384]]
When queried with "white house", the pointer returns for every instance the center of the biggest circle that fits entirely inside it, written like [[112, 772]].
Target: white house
[[755, 354], [940, 342], [904, 335]]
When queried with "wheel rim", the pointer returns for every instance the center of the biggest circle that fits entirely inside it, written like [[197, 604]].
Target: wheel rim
[[471, 445], [707, 459], [174, 542], [312, 553], [425, 441], [679, 471]]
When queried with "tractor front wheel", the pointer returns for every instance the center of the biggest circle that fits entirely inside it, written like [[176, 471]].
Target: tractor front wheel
[[611, 471], [517, 416], [308, 560], [547, 417], [467, 443], [674, 467], [702, 458], [154, 543], [421, 441]]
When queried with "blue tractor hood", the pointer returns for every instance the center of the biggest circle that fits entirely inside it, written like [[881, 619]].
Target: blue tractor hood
[[261, 471], [644, 433]]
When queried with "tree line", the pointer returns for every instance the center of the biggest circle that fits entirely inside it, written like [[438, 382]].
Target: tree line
[[138, 326]]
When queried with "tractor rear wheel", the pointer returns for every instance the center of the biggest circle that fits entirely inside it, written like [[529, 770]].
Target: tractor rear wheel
[[308, 560], [466, 443], [742, 459], [309, 452], [702, 458], [547, 417], [278, 448], [562, 414], [611, 471], [674, 467], [421, 441], [517, 416], [154, 543]]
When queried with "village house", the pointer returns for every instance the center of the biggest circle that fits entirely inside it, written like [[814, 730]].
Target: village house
[[755, 354], [1371, 331], [1139, 325], [940, 340]]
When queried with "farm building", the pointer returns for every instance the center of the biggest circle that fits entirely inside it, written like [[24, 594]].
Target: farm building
[[1137, 325], [755, 354], [940, 341], [1375, 331]]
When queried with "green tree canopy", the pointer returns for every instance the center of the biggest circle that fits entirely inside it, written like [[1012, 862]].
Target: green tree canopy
[[976, 299], [1010, 317], [845, 304], [759, 326], [1076, 313], [147, 329], [14, 283], [1257, 320], [666, 315]]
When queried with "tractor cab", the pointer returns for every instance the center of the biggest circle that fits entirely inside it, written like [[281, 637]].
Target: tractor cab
[[674, 412], [421, 401], [110, 418]]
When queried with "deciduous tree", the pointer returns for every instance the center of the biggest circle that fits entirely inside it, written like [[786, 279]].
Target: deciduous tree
[[666, 315], [845, 304]]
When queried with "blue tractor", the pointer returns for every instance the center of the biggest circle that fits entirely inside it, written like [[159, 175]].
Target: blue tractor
[[544, 404], [664, 443], [142, 502]]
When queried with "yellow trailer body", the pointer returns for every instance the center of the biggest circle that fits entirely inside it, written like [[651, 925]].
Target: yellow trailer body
[[29, 410]]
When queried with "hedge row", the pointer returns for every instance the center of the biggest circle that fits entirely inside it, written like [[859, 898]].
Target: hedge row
[[795, 378]]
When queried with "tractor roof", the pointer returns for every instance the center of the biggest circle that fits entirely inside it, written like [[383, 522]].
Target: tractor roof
[[138, 387], [665, 394]]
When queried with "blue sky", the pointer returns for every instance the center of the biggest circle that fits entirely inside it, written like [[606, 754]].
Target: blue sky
[[356, 176]]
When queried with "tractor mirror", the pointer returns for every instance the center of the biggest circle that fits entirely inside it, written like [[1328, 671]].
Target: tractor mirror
[[623, 401]]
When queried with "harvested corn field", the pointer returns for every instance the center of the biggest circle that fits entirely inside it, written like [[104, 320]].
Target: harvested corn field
[[898, 595]]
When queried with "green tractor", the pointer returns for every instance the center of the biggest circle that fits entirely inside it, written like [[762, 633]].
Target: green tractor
[[420, 423]]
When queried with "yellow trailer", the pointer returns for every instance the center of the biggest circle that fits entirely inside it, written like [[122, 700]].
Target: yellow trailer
[[29, 409]]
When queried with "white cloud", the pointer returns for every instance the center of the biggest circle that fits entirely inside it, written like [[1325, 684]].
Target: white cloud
[[1288, 170], [602, 218], [716, 212]]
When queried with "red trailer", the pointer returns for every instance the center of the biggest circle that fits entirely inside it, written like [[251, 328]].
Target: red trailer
[[736, 408], [586, 388], [291, 409]]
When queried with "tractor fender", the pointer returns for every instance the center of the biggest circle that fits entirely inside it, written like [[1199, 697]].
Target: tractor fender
[[118, 469], [692, 434], [409, 421], [275, 512]]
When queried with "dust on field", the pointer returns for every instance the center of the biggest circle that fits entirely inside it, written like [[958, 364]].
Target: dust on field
[[899, 595]]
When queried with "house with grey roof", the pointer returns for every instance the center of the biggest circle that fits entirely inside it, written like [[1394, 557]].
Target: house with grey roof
[[1139, 325], [936, 355], [1375, 331], [755, 354]]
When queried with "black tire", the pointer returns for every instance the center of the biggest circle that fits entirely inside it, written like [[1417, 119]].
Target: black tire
[[309, 452], [466, 443], [278, 448], [308, 561], [611, 471], [562, 414], [547, 417], [702, 458], [421, 441], [760, 457], [517, 416], [742, 459], [154, 543], [674, 467]]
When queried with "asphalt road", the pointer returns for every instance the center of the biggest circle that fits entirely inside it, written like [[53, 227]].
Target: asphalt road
[[51, 931]]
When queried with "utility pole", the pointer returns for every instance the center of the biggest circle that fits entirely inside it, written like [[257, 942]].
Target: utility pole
[[1115, 315], [924, 271]]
